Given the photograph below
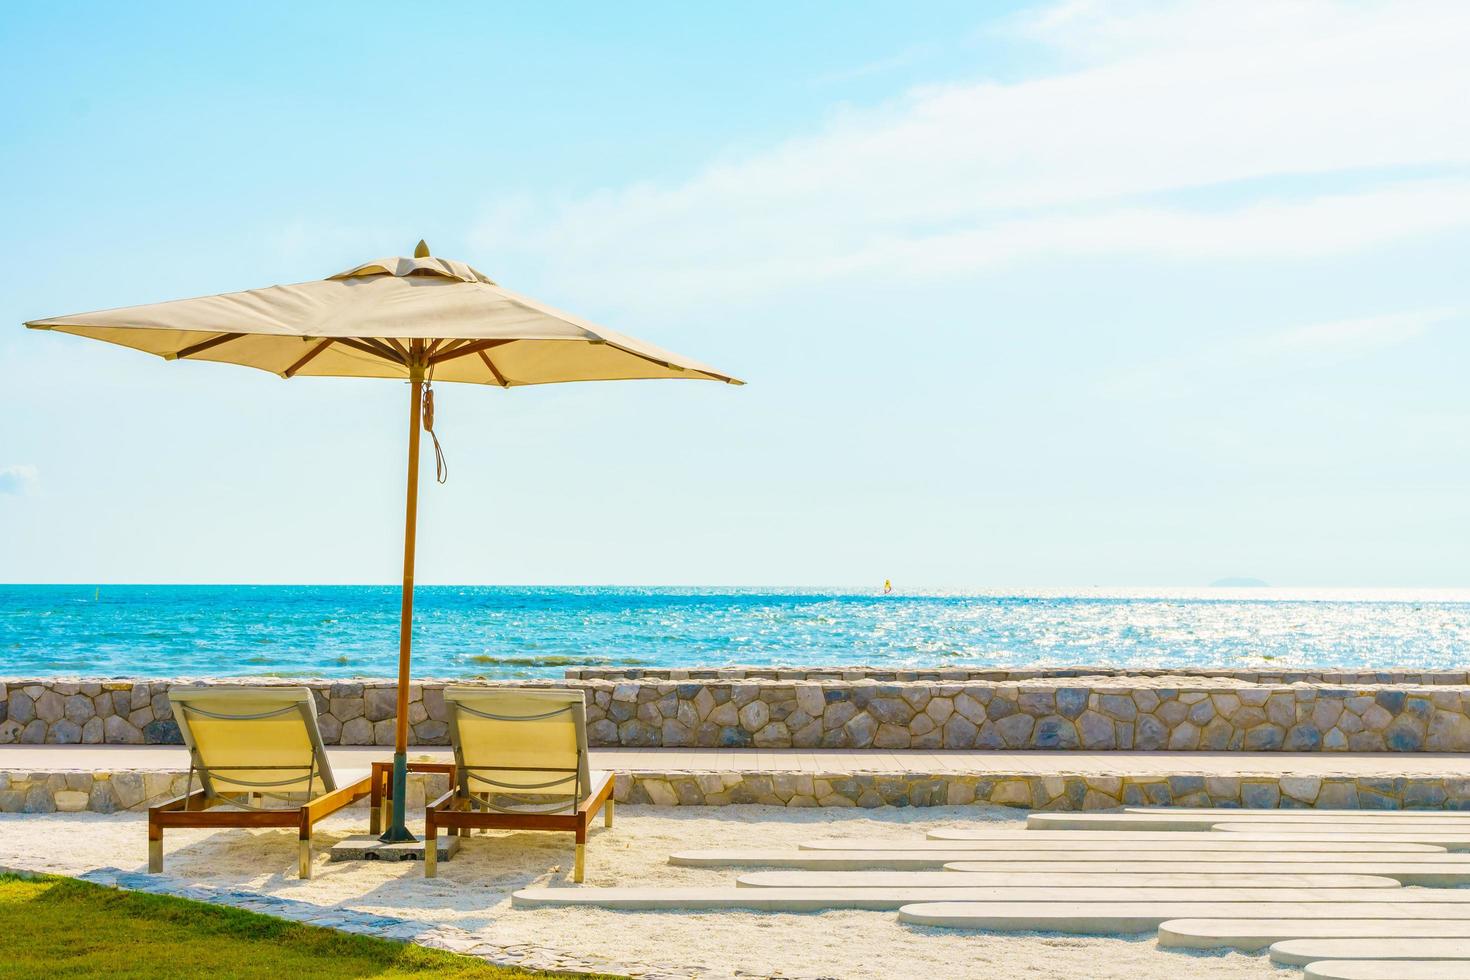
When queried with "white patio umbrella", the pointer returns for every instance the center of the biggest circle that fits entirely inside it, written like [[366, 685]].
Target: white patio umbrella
[[420, 319]]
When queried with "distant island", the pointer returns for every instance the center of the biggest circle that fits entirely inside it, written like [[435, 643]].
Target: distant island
[[1239, 582]]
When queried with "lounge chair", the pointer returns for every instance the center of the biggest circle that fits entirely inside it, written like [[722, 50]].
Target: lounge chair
[[521, 764], [247, 745]]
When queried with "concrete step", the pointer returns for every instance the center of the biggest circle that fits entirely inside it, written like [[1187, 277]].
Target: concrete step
[[1300, 952], [1450, 840], [1384, 970], [1166, 902], [1291, 834], [1453, 815], [1101, 918], [1087, 841], [1254, 933], [1208, 821], [1432, 875], [1329, 861], [962, 879]]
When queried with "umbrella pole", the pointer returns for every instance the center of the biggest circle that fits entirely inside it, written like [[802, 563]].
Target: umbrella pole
[[397, 831]]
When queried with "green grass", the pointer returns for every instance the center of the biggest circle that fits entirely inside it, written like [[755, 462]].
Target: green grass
[[59, 927]]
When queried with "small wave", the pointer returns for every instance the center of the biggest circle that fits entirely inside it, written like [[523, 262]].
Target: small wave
[[555, 660]]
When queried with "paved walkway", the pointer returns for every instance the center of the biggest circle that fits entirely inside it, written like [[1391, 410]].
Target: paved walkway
[[113, 758]]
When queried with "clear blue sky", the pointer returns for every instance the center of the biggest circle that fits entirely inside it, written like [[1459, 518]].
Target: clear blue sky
[[1061, 294]]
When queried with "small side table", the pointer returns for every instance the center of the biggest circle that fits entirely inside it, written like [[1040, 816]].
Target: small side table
[[367, 847], [382, 791]]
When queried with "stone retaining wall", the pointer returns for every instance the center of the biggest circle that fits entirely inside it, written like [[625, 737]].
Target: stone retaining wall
[[1259, 676], [1113, 713], [109, 792], [102, 792]]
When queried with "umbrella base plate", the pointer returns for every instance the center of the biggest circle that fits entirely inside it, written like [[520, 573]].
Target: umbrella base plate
[[367, 847]]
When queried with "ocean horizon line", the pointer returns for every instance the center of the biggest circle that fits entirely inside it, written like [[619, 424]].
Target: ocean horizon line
[[521, 630], [1360, 592]]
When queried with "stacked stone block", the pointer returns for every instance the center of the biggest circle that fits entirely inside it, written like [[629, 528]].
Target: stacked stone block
[[107, 792], [1140, 713]]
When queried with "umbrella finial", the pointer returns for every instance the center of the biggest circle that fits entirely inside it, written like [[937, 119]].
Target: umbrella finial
[[422, 250]]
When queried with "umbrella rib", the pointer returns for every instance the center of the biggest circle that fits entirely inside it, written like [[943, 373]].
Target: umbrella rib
[[203, 346], [652, 360], [381, 347], [402, 351], [371, 347], [499, 378], [671, 365], [290, 372], [473, 348]]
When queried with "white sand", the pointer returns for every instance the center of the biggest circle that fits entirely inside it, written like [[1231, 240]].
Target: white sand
[[473, 892]]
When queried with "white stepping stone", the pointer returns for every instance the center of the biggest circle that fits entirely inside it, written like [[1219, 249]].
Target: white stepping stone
[[1208, 821], [1283, 853], [1300, 952], [1254, 933], [1380, 970], [758, 899], [962, 879], [1266, 831], [1195, 842], [1099, 918], [1333, 861], [1453, 815], [1450, 840], [1419, 898], [1295, 832], [1434, 875], [1399, 823], [1153, 904], [819, 860]]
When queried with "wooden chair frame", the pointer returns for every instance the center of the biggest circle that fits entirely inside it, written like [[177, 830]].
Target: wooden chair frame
[[453, 812], [461, 811], [198, 808]]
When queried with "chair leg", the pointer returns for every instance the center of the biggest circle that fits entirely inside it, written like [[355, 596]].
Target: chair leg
[[155, 851], [375, 805], [431, 846], [305, 855], [607, 812], [579, 870]]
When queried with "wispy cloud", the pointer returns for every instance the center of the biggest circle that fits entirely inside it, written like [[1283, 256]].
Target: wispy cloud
[[1311, 345], [18, 479], [1192, 96], [1357, 336], [877, 66]]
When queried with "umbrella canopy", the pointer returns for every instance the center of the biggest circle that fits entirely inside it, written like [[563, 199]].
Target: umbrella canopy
[[420, 319], [362, 323]]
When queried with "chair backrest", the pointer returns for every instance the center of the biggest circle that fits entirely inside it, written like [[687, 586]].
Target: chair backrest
[[253, 739], [520, 741]]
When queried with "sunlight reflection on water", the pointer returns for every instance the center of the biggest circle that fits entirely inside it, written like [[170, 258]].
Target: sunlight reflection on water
[[538, 632]]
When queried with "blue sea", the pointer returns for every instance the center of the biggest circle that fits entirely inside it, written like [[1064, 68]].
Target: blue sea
[[527, 632]]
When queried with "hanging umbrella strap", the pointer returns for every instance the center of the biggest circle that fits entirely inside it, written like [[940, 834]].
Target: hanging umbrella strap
[[441, 468]]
